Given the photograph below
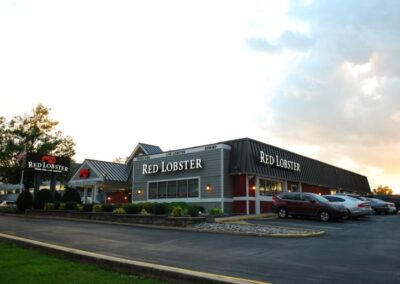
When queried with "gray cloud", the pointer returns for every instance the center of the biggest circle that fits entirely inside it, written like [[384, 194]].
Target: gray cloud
[[319, 104], [288, 40]]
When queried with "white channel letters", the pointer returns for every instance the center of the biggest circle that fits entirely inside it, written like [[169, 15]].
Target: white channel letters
[[279, 162], [172, 166]]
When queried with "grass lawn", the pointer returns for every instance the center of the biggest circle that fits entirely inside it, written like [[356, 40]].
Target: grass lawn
[[23, 266]]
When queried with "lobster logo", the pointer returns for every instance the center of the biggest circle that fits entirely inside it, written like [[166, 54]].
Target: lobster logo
[[84, 173], [49, 159]]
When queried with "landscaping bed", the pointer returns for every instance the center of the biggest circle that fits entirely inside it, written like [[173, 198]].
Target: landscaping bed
[[160, 220]]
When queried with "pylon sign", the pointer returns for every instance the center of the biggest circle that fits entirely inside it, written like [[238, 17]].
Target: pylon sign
[[47, 163]]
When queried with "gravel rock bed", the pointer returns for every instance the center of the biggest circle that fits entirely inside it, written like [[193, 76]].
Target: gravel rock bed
[[254, 229]]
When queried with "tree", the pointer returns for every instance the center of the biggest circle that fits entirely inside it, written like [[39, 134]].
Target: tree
[[35, 132], [384, 190]]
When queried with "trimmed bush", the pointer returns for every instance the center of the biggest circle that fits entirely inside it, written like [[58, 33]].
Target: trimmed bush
[[132, 209], [61, 206], [216, 211], [144, 212], [107, 208], [96, 207], [71, 195], [148, 206], [119, 210], [177, 211], [49, 206], [194, 210], [87, 207], [160, 209], [171, 206], [71, 205], [24, 201], [79, 207], [41, 198]]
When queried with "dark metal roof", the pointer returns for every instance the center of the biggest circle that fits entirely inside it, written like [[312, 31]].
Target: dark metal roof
[[151, 149], [111, 171], [245, 156]]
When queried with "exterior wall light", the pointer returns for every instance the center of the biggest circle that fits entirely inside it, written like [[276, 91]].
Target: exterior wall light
[[140, 191], [208, 188]]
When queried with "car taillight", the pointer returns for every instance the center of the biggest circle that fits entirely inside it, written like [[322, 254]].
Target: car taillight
[[363, 205]]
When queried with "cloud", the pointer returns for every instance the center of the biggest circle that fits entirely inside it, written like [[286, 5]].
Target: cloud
[[344, 94]]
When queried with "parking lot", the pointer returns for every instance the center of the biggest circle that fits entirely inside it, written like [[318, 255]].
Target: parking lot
[[353, 251]]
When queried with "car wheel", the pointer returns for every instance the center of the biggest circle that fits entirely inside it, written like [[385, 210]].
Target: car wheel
[[282, 213], [348, 216], [324, 216], [374, 211]]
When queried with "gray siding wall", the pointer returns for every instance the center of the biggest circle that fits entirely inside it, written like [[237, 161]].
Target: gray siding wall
[[210, 173]]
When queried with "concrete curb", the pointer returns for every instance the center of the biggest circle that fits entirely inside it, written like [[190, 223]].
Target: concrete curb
[[245, 217], [155, 271], [304, 235]]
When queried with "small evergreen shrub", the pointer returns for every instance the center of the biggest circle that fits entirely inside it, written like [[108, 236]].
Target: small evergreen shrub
[[24, 201], [160, 208], [96, 207], [107, 208], [119, 210], [42, 197], [62, 206], [194, 210], [132, 209], [49, 206], [144, 212], [177, 211], [79, 207], [171, 206], [87, 207], [70, 205], [71, 195], [148, 206], [216, 211]]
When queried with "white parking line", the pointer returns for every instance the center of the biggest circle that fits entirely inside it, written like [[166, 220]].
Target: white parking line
[[303, 225]]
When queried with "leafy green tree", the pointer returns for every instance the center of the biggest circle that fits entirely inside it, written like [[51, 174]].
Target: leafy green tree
[[34, 132], [385, 190]]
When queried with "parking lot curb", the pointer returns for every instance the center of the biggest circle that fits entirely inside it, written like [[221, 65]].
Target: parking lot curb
[[155, 271], [245, 217]]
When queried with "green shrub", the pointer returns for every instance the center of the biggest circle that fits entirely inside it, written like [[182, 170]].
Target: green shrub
[[216, 211], [194, 210], [148, 206], [24, 201], [96, 207], [177, 211], [160, 208], [79, 207], [144, 212], [132, 209], [41, 198], [119, 210], [87, 207], [70, 205], [171, 206], [49, 206], [107, 208], [71, 195]]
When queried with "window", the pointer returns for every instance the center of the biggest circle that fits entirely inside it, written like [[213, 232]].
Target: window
[[182, 188], [162, 190], [307, 197], [152, 190], [174, 189], [171, 189], [193, 188], [269, 187], [295, 196]]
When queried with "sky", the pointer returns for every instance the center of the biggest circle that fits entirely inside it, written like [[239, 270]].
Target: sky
[[320, 78]]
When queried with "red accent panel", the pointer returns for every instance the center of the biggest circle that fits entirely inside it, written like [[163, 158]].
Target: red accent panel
[[239, 207], [84, 173], [252, 207], [315, 189], [252, 186], [265, 206], [118, 197], [239, 185]]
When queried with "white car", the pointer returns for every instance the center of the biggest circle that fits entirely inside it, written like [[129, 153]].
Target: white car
[[10, 204], [355, 207]]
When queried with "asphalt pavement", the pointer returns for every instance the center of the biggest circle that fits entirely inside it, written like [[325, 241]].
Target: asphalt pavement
[[353, 251]]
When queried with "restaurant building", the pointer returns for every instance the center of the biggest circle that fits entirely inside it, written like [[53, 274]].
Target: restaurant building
[[238, 176]]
